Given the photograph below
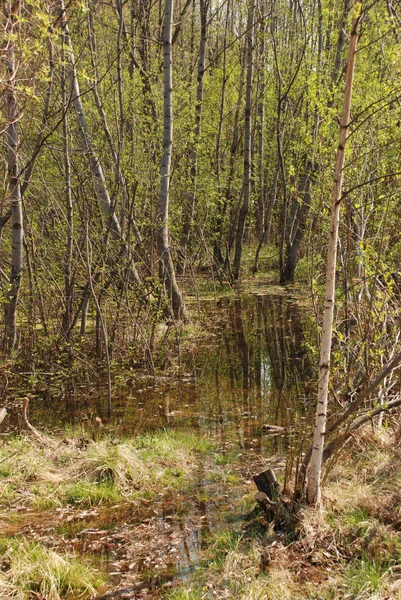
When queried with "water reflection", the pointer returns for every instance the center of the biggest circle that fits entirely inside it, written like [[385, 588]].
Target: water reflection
[[256, 369]]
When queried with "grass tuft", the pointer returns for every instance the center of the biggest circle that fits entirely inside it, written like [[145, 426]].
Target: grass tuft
[[34, 571]]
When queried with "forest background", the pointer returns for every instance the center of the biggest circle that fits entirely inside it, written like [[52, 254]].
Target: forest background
[[148, 144]]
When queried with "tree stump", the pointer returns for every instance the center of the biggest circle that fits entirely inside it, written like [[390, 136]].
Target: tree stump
[[267, 483]]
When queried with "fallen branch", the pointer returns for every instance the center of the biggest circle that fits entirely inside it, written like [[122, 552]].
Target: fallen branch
[[45, 441]]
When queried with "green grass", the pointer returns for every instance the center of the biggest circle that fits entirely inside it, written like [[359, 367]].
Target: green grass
[[184, 594], [87, 494], [364, 576], [34, 571], [101, 472]]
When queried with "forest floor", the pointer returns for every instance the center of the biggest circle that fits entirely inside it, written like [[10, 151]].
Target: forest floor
[[171, 515]]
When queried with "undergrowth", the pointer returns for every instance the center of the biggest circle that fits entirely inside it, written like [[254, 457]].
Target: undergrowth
[[85, 472], [349, 550]]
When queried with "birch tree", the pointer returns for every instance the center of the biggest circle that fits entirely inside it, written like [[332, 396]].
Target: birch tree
[[11, 11], [166, 266], [313, 492], [247, 145], [99, 179], [190, 208]]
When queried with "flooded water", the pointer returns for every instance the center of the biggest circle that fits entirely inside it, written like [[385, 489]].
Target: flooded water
[[254, 368]]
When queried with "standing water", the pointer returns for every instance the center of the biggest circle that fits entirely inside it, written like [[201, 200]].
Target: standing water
[[254, 371]]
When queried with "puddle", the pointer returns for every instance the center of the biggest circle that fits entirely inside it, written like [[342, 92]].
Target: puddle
[[255, 367]]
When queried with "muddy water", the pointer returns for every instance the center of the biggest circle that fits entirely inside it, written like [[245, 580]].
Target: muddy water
[[254, 368]]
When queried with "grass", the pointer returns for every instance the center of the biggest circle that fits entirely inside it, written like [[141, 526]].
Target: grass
[[34, 571], [81, 476], [351, 550], [365, 576], [100, 472], [86, 494]]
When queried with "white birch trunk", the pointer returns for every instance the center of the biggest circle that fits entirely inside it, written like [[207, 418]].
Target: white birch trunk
[[11, 14], [313, 491], [167, 271], [247, 144]]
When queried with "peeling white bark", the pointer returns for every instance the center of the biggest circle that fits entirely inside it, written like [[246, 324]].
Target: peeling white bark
[[313, 491], [11, 13]]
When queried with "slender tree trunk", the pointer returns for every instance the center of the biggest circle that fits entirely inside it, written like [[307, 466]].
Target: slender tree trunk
[[313, 491], [247, 146], [222, 208], [120, 177], [99, 179], [167, 272], [260, 215], [298, 226], [11, 15], [68, 283], [340, 43], [264, 238], [190, 208]]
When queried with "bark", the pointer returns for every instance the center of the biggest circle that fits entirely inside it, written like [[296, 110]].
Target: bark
[[68, 280], [190, 208], [222, 103], [99, 179], [264, 238], [340, 43], [120, 176], [222, 207], [247, 146], [260, 216], [298, 226], [314, 473], [167, 271], [11, 14]]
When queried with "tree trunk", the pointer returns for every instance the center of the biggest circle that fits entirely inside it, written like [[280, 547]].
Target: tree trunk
[[314, 473], [167, 272], [247, 145], [260, 215], [99, 179], [190, 208], [222, 207], [11, 14], [68, 280], [298, 226]]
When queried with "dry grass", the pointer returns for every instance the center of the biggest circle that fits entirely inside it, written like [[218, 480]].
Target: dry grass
[[33, 571], [349, 550], [94, 472]]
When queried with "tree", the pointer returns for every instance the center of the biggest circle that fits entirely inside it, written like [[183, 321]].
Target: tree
[[96, 168], [313, 492], [11, 11], [247, 145], [166, 266]]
